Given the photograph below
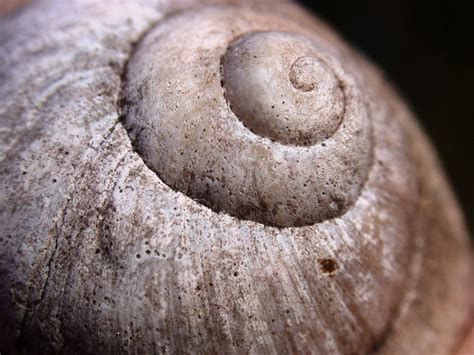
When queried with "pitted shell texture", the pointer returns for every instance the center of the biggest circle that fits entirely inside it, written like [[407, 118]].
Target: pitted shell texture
[[262, 124], [123, 122]]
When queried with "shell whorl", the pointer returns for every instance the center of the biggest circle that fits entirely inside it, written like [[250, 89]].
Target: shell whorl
[[257, 120], [106, 250]]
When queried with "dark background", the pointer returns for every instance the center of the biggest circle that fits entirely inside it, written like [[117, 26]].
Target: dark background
[[426, 48]]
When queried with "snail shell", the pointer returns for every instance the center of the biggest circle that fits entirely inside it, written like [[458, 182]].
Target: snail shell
[[198, 178]]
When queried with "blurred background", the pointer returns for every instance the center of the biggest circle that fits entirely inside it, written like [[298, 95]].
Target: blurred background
[[426, 48]]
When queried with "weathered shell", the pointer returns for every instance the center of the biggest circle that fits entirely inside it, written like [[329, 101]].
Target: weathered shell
[[151, 200]]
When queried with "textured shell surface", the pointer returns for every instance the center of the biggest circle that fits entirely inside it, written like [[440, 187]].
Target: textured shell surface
[[215, 177]]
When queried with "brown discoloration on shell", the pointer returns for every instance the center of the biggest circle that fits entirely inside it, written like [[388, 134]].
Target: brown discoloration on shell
[[98, 254], [7, 7], [467, 344]]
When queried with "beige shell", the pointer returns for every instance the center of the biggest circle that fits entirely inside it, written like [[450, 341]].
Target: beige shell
[[216, 177]]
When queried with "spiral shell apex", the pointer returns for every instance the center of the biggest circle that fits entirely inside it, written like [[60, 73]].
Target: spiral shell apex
[[182, 177], [263, 124]]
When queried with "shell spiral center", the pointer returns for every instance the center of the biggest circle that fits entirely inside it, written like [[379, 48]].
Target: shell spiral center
[[264, 125], [280, 88]]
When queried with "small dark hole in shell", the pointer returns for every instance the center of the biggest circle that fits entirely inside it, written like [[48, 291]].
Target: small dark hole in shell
[[328, 265]]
